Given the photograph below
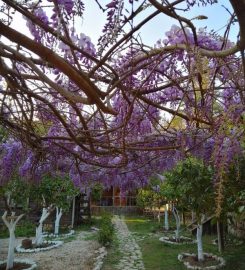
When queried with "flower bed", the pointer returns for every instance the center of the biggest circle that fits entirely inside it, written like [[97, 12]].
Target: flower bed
[[172, 240], [30, 265], [211, 262], [49, 245]]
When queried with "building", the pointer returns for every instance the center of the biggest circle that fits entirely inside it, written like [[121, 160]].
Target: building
[[115, 201]]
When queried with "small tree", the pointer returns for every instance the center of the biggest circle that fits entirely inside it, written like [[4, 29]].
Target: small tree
[[17, 192], [233, 196], [193, 180], [58, 192], [149, 197], [169, 194]]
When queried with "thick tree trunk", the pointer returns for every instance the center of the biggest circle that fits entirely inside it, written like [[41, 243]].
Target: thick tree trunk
[[199, 243], [11, 227], [166, 223], [39, 230], [10, 259], [39, 234], [57, 220]]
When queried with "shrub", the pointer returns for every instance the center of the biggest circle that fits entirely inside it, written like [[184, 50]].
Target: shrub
[[105, 234]]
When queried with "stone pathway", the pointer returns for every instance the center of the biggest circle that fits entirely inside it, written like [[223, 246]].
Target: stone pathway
[[130, 250]]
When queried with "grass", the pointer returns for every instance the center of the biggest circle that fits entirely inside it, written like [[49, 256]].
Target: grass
[[23, 229], [91, 237], [160, 256], [69, 239], [113, 255], [93, 222]]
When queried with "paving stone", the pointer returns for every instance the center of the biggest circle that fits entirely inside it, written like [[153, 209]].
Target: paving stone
[[132, 257]]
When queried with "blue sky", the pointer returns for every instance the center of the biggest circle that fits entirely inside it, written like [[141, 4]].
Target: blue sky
[[94, 19], [217, 18]]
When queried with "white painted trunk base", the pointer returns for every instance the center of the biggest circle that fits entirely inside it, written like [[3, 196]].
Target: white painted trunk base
[[177, 220], [57, 220], [199, 243], [166, 223], [39, 229], [11, 225]]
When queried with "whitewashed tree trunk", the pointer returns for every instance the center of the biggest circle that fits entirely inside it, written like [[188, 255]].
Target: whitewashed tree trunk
[[166, 223], [199, 243], [11, 227], [57, 220], [177, 220], [39, 230]]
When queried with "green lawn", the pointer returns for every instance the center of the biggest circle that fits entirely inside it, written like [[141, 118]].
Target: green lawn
[[160, 256], [113, 255]]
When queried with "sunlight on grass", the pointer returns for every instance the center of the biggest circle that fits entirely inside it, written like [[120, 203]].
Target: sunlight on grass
[[136, 220], [160, 256]]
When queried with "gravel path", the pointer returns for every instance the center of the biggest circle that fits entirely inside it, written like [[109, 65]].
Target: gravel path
[[130, 250], [81, 254], [75, 255]]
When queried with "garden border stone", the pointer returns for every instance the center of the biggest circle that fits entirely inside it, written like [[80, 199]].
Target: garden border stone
[[19, 248], [65, 235], [165, 239], [221, 261], [32, 264]]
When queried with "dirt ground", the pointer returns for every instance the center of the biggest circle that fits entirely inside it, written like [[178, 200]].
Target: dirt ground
[[75, 255]]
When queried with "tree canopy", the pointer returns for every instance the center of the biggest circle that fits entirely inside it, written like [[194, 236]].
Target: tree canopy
[[96, 111]]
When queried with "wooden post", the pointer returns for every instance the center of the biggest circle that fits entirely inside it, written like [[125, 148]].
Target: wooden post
[[73, 212], [113, 196], [220, 235]]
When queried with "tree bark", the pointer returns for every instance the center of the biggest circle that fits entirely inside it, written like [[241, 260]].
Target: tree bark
[[57, 220], [177, 219], [166, 223], [220, 235], [11, 225], [39, 230], [199, 243], [239, 8]]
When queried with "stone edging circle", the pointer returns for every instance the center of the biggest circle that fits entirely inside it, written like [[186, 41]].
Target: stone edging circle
[[32, 264], [59, 235], [213, 267], [165, 239], [19, 248]]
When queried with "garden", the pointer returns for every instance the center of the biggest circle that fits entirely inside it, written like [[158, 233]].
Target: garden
[[122, 139]]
